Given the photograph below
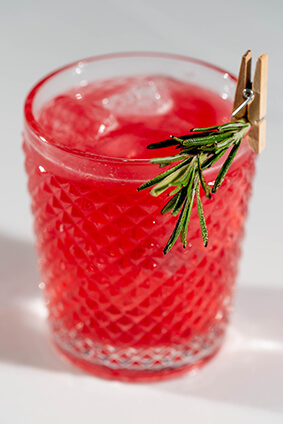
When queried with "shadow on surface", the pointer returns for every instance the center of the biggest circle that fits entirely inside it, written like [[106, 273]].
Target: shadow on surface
[[247, 371], [23, 330]]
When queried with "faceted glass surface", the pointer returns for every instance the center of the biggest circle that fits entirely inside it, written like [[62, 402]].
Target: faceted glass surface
[[114, 299]]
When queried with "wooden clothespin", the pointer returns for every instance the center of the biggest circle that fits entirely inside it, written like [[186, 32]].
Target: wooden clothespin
[[253, 111]]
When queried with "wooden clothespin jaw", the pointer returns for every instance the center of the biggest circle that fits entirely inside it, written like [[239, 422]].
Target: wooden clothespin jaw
[[254, 111]]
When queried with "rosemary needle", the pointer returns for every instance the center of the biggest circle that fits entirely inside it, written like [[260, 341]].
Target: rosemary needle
[[197, 151]]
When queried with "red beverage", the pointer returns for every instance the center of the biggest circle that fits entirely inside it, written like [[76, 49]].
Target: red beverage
[[117, 306]]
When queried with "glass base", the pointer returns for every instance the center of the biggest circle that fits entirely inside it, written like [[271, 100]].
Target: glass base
[[146, 365]]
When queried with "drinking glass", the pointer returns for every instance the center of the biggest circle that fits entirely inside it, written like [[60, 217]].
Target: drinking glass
[[117, 307]]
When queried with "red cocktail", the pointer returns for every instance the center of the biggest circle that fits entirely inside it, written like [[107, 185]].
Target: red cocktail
[[117, 306]]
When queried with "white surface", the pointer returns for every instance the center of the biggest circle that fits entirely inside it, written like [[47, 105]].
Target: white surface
[[245, 382]]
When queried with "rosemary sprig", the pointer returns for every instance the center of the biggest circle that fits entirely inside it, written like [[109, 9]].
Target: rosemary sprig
[[197, 151]]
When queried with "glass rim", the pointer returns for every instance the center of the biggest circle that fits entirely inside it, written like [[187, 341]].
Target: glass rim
[[37, 130]]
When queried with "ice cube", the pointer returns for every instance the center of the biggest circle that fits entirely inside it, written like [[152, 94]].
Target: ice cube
[[142, 97], [76, 122]]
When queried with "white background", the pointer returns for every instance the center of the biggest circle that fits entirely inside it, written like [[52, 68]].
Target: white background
[[245, 382]]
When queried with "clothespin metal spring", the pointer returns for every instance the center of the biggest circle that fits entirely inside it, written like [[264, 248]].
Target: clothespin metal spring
[[249, 96]]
